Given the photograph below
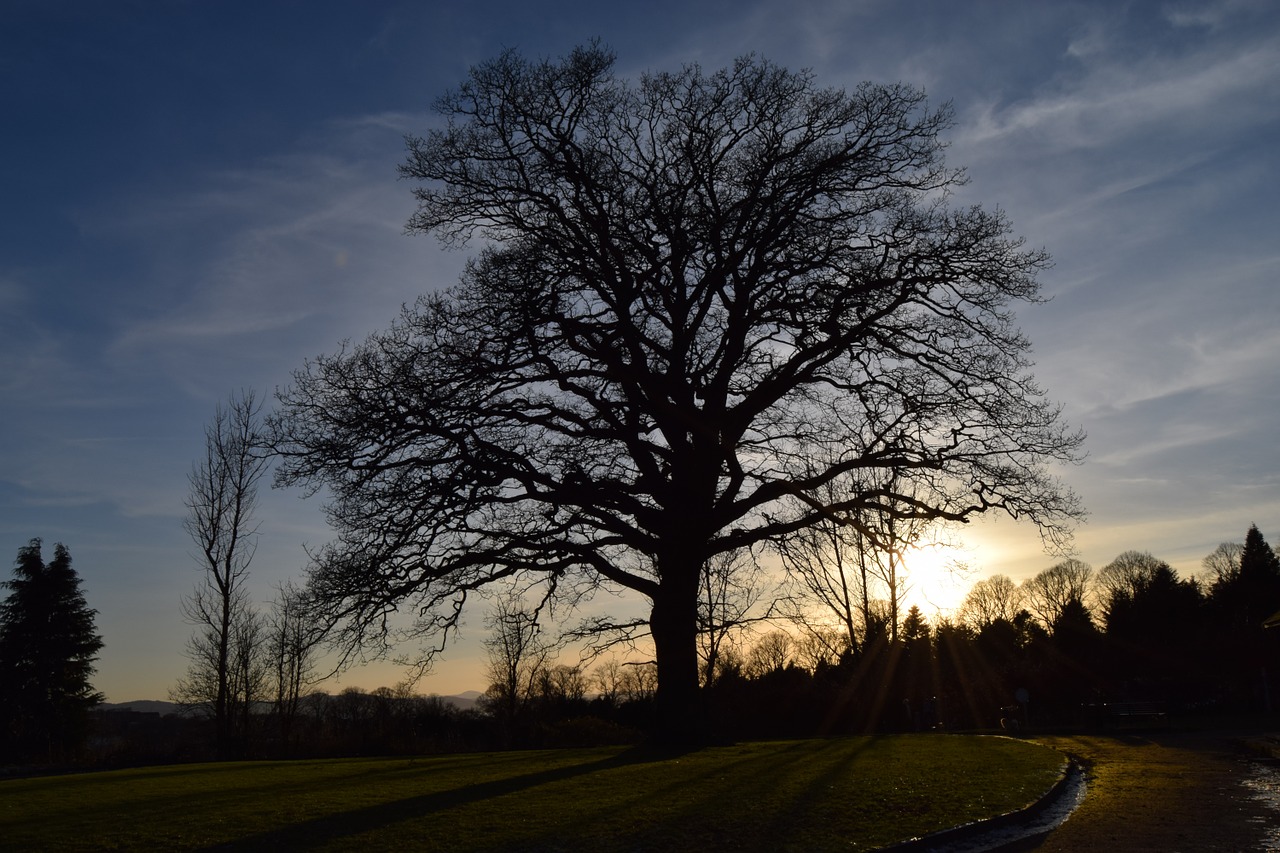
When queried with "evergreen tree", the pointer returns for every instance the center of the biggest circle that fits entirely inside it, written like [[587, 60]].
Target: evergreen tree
[[1245, 652], [47, 648], [1260, 575], [917, 669], [1246, 597]]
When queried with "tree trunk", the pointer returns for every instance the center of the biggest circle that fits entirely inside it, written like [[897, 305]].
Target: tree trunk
[[681, 717], [222, 697]]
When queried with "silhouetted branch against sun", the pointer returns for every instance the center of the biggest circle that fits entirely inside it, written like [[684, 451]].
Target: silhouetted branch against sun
[[703, 299]]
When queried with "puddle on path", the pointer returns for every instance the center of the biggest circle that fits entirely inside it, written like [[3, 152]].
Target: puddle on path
[[1262, 782]]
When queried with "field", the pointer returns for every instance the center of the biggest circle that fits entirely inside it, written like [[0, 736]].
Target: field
[[837, 794]]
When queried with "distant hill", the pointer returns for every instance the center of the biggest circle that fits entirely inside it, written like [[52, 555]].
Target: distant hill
[[464, 701], [145, 706]]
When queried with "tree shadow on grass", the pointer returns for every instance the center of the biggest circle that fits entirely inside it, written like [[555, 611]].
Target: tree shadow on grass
[[782, 785], [329, 828]]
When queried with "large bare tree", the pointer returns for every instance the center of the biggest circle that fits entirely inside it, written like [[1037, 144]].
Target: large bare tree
[[690, 287]]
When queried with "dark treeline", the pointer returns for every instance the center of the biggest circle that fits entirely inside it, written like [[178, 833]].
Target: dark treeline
[[1057, 651], [385, 721], [1065, 649]]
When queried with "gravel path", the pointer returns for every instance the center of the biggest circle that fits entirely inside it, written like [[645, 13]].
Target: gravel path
[[1167, 792]]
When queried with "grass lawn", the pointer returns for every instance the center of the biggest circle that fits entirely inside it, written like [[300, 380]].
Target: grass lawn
[[836, 794]]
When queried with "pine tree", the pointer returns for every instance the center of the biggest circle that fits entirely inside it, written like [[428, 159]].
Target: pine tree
[[1244, 651], [914, 626], [47, 648], [1247, 596], [1260, 573]]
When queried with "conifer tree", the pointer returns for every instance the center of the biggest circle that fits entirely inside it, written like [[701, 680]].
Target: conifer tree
[[1260, 570], [48, 644], [1245, 651], [1247, 597]]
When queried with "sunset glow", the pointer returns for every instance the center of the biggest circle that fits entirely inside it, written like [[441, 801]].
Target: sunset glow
[[938, 578], [196, 204]]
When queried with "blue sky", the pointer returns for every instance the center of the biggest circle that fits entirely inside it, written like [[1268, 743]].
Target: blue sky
[[195, 197]]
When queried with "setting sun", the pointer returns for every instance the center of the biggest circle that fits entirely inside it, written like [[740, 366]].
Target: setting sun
[[938, 578]]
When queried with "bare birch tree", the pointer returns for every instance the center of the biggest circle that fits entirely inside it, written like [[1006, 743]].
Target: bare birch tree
[[221, 520]]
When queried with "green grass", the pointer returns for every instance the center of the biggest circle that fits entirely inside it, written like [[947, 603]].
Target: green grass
[[837, 794]]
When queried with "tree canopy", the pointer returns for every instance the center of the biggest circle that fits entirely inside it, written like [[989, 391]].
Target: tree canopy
[[701, 301]]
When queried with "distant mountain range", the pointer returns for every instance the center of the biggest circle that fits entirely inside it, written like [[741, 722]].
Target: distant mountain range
[[462, 701]]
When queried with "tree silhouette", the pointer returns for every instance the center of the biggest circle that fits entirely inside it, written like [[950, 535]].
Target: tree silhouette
[[47, 648], [227, 671], [1154, 623], [518, 657], [1053, 590], [992, 598], [827, 563], [1125, 578], [1239, 602], [702, 299], [290, 651], [1223, 563], [1259, 577], [1243, 598]]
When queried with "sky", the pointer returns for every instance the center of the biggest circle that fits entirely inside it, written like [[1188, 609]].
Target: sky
[[196, 197]]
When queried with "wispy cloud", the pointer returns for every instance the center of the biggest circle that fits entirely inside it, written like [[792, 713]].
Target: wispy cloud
[[1213, 92], [1213, 15], [282, 259]]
